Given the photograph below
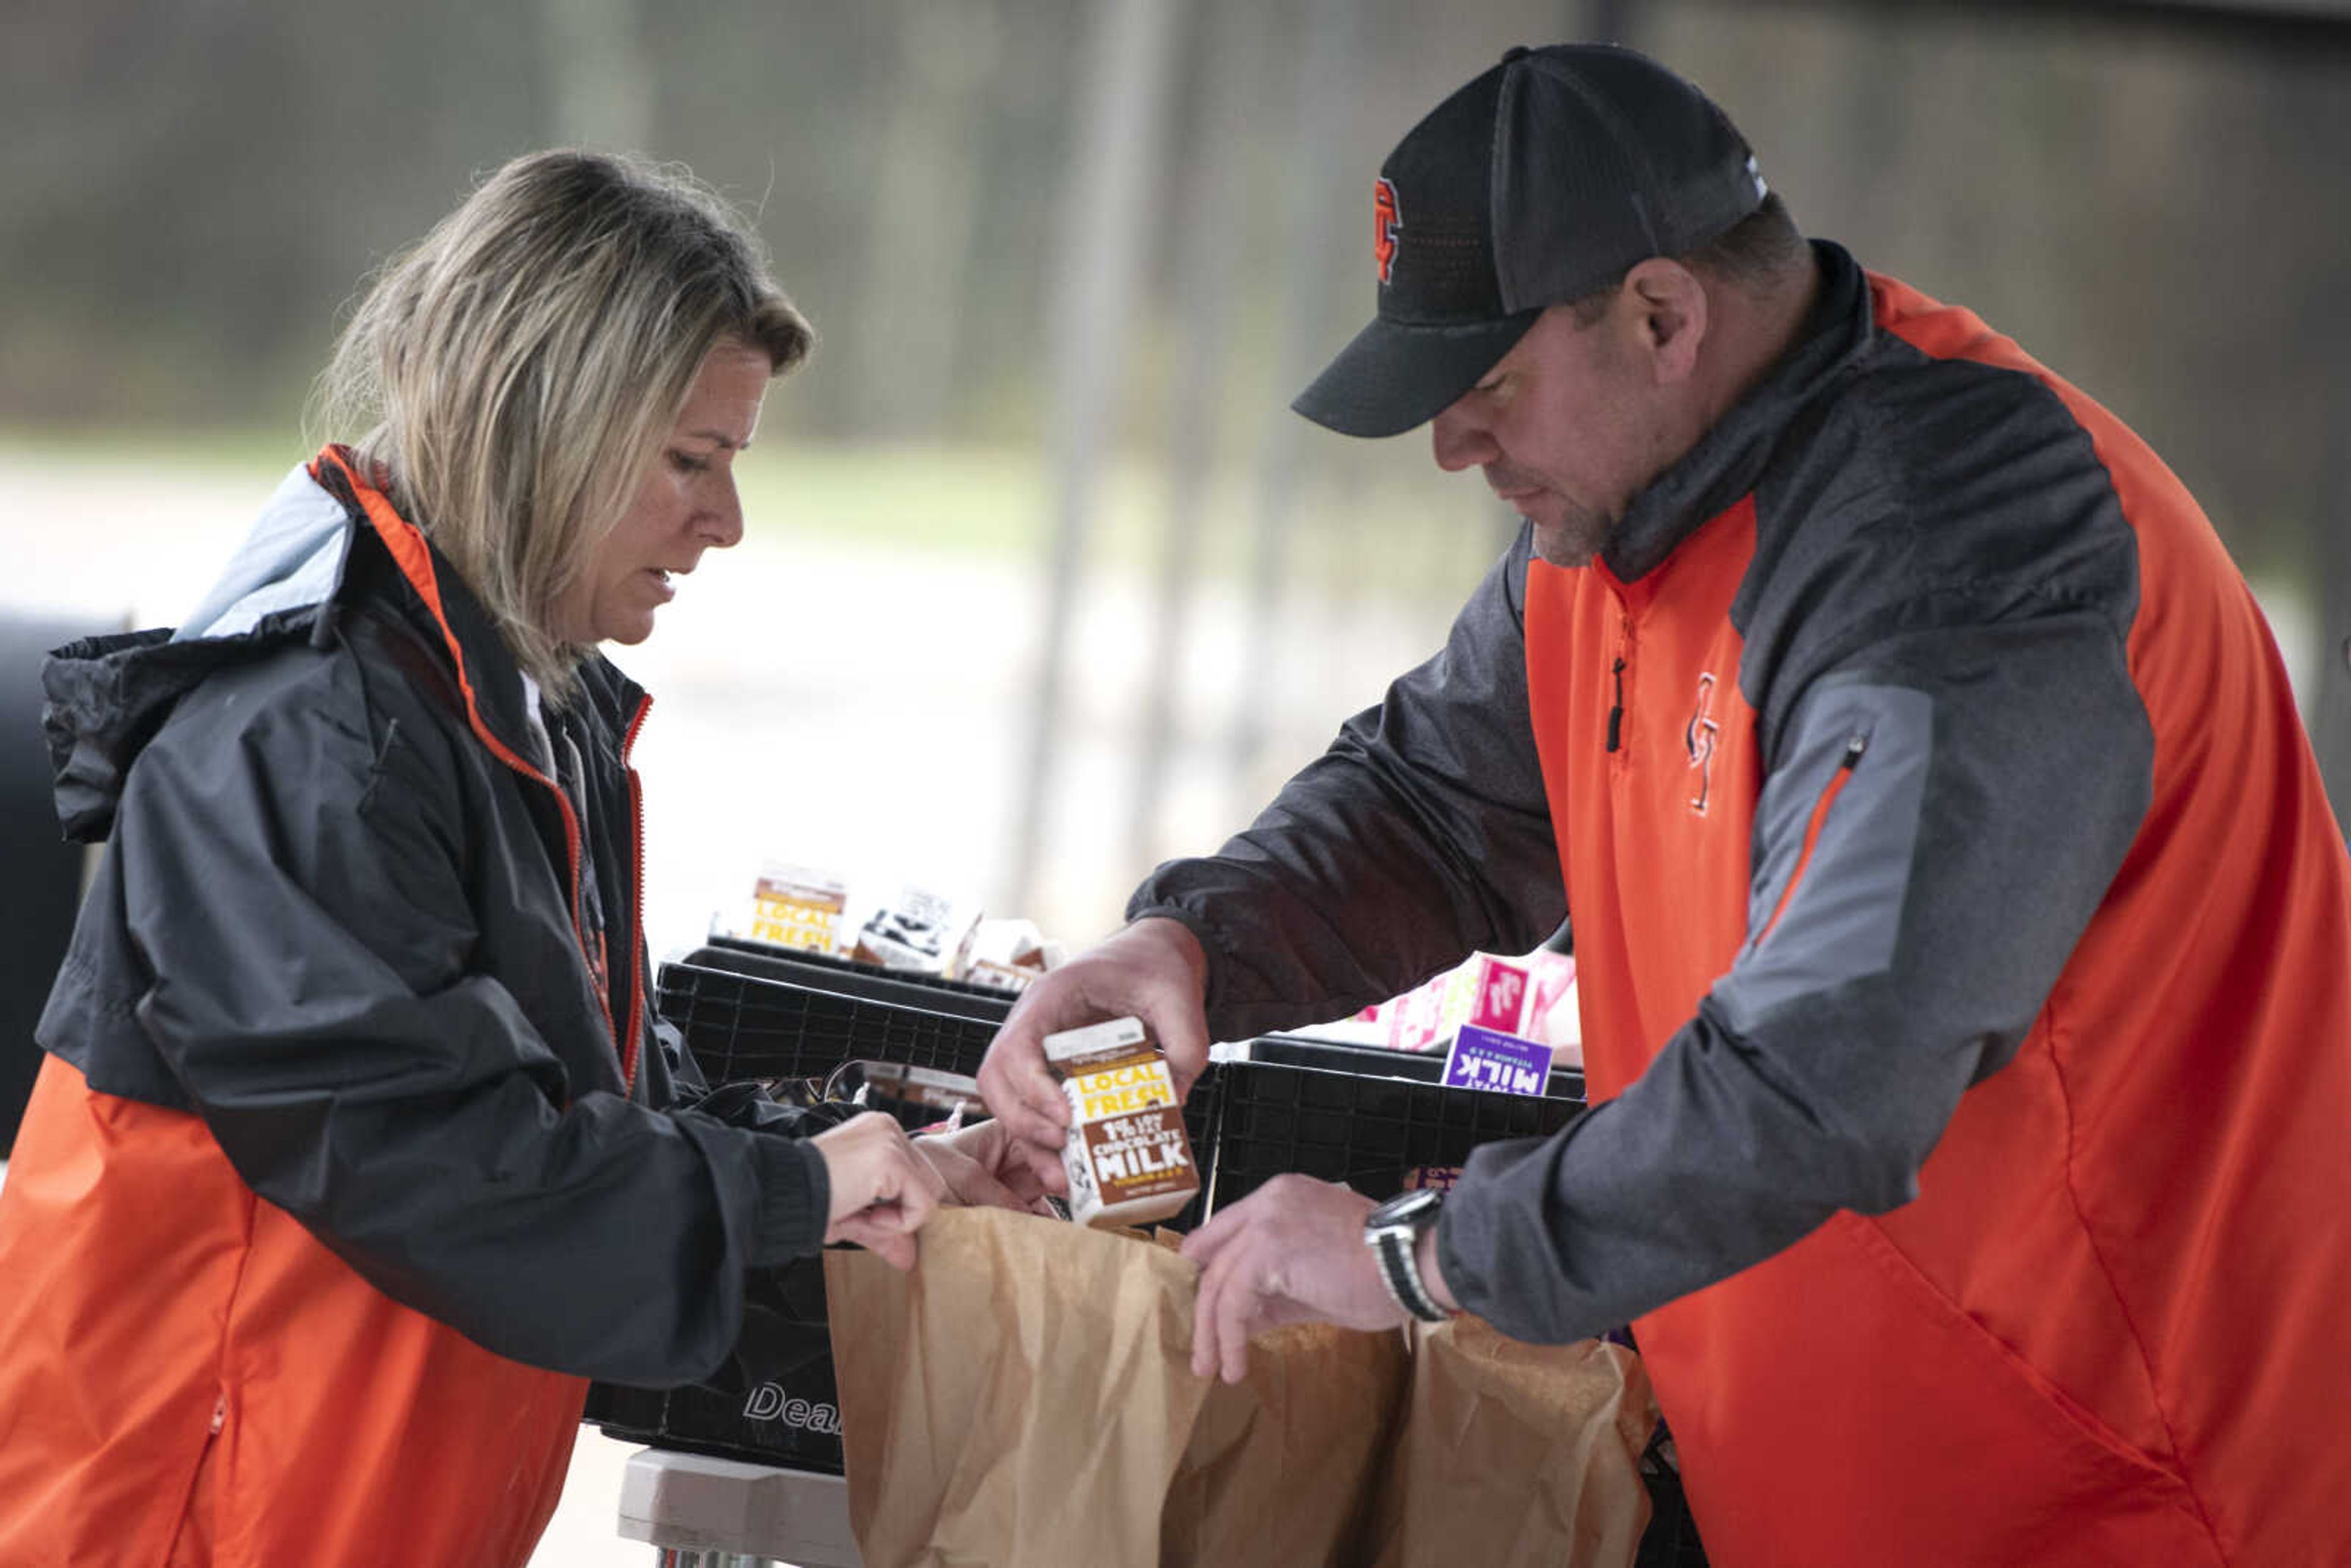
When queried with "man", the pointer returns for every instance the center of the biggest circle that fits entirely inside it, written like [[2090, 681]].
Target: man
[[1964, 939]]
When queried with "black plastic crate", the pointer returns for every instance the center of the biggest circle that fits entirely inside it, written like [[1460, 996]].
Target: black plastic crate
[[1373, 1119], [743, 1026], [826, 972], [775, 1401], [751, 1014], [1379, 1061]]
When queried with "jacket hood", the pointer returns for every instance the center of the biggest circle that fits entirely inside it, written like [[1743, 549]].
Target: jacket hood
[[106, 696], [292, 560]]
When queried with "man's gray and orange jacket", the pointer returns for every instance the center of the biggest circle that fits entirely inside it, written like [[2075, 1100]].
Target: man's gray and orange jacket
[[354, 1156], [1965, 946]]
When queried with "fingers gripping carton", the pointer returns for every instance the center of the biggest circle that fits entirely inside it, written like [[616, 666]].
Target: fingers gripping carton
[[1128, 1160]]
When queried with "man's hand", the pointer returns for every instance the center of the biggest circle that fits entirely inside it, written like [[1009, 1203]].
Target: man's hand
[[1292, 1251], [882, 1190], [983, 1164], [1153, 970]]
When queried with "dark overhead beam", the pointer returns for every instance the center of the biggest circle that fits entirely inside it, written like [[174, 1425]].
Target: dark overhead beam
[[2298, 27]]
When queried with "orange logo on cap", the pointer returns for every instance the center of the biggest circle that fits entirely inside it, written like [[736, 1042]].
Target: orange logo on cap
[[1385, 221]]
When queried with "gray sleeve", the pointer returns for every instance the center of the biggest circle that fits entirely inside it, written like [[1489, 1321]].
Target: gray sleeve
[[1940, 818], [1421, 835]]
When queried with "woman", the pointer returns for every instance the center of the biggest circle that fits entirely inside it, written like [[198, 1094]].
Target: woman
[[358, 1148]]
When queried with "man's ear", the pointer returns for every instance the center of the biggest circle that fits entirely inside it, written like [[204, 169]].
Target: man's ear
[[1670, 315]]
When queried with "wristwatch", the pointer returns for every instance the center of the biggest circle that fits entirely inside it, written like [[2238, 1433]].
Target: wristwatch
[[1392, 1232]]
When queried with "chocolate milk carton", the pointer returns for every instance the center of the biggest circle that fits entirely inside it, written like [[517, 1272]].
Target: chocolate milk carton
[[1128, 1160]]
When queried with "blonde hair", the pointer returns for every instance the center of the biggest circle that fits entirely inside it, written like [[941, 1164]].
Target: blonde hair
[[517, 371]]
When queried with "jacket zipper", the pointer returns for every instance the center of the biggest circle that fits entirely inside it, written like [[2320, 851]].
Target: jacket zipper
[[1837, 781], [636, 896], [571, 833], [1616, 674]]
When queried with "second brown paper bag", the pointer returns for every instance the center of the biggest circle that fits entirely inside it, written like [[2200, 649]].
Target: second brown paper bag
[[1516, 1455]]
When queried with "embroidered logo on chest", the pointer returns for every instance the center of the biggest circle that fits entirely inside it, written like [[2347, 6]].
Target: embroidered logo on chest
[[1699, 737]]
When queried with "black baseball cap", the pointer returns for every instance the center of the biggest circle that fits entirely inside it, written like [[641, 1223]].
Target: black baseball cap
[[1539, 181]]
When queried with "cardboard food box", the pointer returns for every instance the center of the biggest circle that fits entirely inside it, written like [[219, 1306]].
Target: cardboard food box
[[918, 930], [1487, 991], [795, 906]]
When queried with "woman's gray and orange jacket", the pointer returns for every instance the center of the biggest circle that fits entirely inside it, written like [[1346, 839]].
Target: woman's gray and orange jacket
[[355, 1155], [1965, 945]]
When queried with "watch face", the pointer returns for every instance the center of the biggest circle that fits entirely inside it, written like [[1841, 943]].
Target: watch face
[[1404, 1207]]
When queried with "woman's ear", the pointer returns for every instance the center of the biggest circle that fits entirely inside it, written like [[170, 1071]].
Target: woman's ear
[[1670, 315]]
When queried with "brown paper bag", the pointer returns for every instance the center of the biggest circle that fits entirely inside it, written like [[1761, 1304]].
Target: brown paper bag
[[1023, 1397], [1516, 1455], [1281, 1466]]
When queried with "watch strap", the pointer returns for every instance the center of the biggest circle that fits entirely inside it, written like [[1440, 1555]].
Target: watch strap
[[1396, 1248]]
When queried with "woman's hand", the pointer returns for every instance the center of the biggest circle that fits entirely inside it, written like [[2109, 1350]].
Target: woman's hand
[[882, 1190], [984, 1164]]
